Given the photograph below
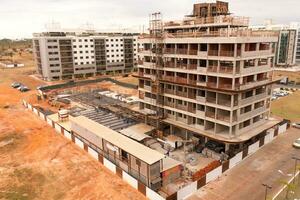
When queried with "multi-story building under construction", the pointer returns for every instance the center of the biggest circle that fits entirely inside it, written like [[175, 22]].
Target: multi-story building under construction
[[76, 54], [208, 76]]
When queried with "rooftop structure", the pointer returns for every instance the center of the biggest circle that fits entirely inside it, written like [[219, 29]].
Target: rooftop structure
[[207, 76], [67, 55]]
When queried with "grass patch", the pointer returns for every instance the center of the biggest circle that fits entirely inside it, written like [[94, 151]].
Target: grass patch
[[287, 107]]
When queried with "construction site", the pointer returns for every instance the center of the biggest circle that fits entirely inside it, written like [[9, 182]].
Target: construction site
[[201, 104]]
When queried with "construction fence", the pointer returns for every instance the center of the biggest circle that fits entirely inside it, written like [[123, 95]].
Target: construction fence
[[185, 191], [85, 82]]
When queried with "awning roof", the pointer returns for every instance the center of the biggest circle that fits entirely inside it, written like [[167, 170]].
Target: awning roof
[[134, 148], [137, 132]]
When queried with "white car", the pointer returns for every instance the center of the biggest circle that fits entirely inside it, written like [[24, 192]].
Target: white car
[[115, 96], [131, 99], [274, 98], [296, 144], [104, 92], [111, 94], [296, 125]]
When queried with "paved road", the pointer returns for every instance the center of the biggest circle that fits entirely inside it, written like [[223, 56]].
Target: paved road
[[286, 86], [244, 182]]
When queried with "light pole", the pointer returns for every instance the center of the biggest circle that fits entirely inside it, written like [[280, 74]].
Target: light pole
[[267, 187], [295, 169]]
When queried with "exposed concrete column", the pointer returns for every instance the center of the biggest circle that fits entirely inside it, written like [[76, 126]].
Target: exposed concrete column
[[227, 146], [242, 49], [257, 46], [171, 129]]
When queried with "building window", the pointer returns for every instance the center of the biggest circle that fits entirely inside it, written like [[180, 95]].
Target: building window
[[124, 155]]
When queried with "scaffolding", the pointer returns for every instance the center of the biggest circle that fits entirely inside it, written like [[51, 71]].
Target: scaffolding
[[156, 32]]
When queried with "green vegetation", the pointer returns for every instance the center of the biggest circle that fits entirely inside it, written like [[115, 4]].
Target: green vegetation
[[9, 47], [287, 107]]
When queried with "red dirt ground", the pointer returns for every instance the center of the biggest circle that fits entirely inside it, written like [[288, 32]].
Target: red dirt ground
[[37, 163]]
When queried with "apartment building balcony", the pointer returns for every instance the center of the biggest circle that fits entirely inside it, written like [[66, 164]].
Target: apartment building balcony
[[147, 87], [252, 113], [225, 118], [170, 116], [181, 80], [182, 65], [211, 84], [253, 98], [169, 64], [253, 84], [181, 119], [247, 54], [226, 70], [192, 82], [169, 50], [210, 114], [211, 100], [191, 110], [169, 91], [225, 86], [182, 51], [200, 99], [213, 53], [192, 67], [200, 113], [257, 69], [150, 100], [181, 94], [169, 104], [193, 52], [227, 53], [151, 76], [140, 73], [224, 102], [213, 69], [140, 62], [169, 78], [181, 107]]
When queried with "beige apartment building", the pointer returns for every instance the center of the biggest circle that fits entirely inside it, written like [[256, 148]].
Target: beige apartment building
[[79, 54], [207, 76]]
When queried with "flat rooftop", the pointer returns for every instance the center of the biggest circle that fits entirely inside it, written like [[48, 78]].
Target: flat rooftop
[[106, 118], [134, 148]]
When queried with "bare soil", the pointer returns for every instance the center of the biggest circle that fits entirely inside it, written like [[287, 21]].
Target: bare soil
[[37, 163]]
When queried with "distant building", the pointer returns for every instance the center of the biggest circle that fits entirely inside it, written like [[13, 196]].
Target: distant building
[[67, 55], [288, 47]]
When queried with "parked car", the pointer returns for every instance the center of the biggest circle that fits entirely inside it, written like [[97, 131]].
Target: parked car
[[296, 125], [219, 148], [104, 92], [296, 144], [40, 86], [24, 88], [115, 96], [274, 98], [16, 84], [131, 99]]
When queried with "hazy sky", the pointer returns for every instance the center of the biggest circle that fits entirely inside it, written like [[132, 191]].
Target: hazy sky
[[20, 18]]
